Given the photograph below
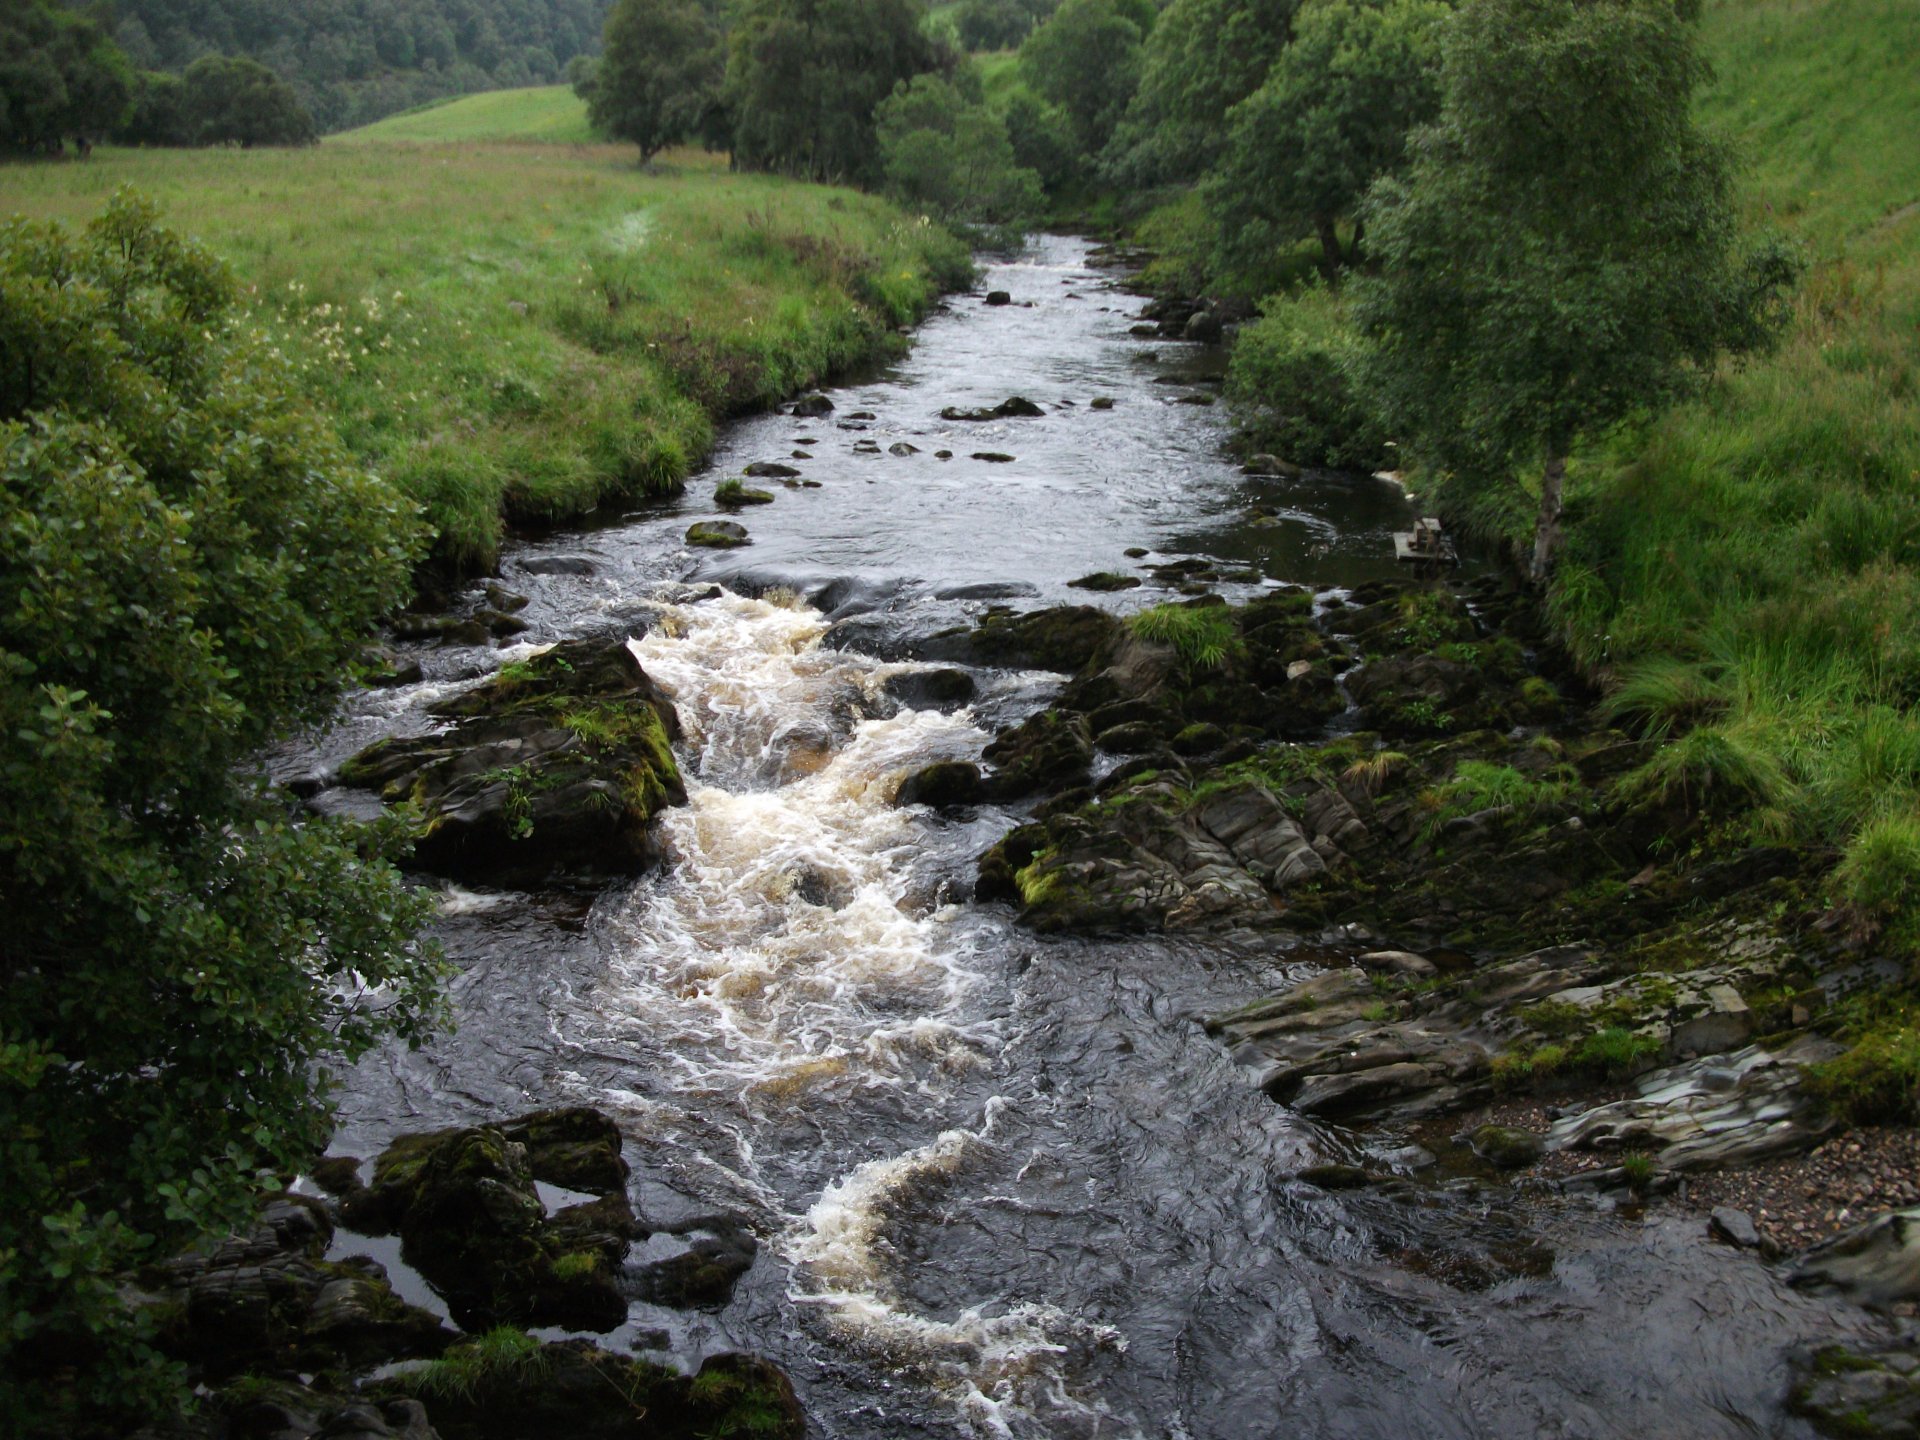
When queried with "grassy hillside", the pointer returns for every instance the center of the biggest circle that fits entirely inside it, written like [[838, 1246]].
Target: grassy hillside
[[1751, 562], [550, 114], [522, 330]]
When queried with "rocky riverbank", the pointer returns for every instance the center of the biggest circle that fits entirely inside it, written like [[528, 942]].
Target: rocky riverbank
[[293, 1329], [1524, 942]]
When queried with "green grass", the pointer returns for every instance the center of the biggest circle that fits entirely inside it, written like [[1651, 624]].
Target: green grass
[[547, 114], [1749, 564], [1202, 635], [526, 331], [503, 1353]]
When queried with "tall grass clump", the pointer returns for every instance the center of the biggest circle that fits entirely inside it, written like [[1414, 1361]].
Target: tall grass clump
[[1202, 635]]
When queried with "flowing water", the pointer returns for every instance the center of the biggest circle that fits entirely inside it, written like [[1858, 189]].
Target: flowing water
[[1007, 1186]]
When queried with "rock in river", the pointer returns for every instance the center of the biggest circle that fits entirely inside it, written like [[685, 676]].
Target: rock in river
[[554, 770], [718, 534]]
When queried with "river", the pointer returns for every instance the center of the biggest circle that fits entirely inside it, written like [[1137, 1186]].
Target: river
[[1005, 1185]]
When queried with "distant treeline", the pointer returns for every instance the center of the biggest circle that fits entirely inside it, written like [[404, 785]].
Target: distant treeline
[[64, 81]]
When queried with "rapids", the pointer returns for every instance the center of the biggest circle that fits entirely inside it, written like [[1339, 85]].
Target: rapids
[[1003, 1185]]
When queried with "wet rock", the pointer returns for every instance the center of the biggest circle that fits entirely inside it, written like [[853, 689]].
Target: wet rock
[[384, 669], [1505, 1146], [1709, 1114], [770, 470], [556, 565], [1735, 1227], [943, 689], [1335, 1177], [471, 1221], [1048, 751], [1144, 332], [717, 534], [1101, 402], [1397, 962], [992, 457], [902, 448], [503, 599], [733, 499], [1869, 1391], [1200, 400], [696, 1266], [466, 634], [809, 407], [500, 624], [1016, 408], [1066, 639], [1874, 1263], [946, 784], [866, 447], [999, 297], [1203, 327], [574, 1390], [1105, 581], [555, 770]]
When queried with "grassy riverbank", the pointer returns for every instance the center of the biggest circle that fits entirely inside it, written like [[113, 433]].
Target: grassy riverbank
[[523, 331], [1747, 568]]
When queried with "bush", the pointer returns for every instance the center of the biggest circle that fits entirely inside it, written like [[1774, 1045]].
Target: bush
[[1292, 383], [188, 565]]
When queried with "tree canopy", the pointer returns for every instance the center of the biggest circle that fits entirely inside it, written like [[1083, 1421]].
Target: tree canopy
[[1086, 60], [231, 100], [949, 154], [1331, 117], [61, 78], [188, 565], [804, 78], [658, 75], [1562, 252]]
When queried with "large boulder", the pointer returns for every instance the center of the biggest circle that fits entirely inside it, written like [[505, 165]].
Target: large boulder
[[553, 771]]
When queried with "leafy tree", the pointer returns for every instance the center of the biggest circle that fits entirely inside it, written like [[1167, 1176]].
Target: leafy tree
[[188, 563], [804, 78], [158, 115], [232, 100], [1043, 141], [995, 24], [1562, 253], [1331, 118], [1086, 60], [61, 78], [951, 155], [659, 73], [1202, 58]]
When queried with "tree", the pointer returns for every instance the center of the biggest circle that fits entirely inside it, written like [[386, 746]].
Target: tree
[[994, 24], [804, 78], [61, 78], [659, 74], [188, 565], [950, 155], [1086, 60], [1331, 118], [1561, 254], [237, 101], [1202, 58]]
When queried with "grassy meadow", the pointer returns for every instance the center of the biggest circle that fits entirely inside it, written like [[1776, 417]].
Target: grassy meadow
[[523, 331], [1747, 567], [545, 114]]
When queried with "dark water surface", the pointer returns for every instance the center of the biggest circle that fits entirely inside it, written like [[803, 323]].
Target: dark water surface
[[1005, 1185]]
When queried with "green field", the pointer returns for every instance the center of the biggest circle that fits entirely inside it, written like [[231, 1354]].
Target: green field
[[548, 114], [525, 331], [1749, 564]]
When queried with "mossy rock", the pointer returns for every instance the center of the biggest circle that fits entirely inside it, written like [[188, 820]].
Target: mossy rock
[[718, 534]]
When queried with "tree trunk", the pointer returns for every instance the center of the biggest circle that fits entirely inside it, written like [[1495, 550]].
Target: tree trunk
[[1546, 530], [1329, 245], [1353, 249]]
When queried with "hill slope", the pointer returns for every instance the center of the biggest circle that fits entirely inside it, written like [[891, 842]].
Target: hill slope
[[549, 114]]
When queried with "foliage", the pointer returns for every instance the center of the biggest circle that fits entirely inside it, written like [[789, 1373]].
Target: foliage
[[1878, 1078], [995, 24], [1202, 635], [1331, 117], [502, 1353], [1202, 58], [188, 562], [1616, 1052], [1043, 141], [1561, 255], [1477, 785], [1294, 382], [804, 78], [236, 101], [61, 78], [1086, 60], [950, 155], [353, 61], [658, 76]]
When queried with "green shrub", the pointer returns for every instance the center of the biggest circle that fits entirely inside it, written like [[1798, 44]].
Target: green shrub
[[1617, 1052], [1878, 1078], [1291, 381]]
